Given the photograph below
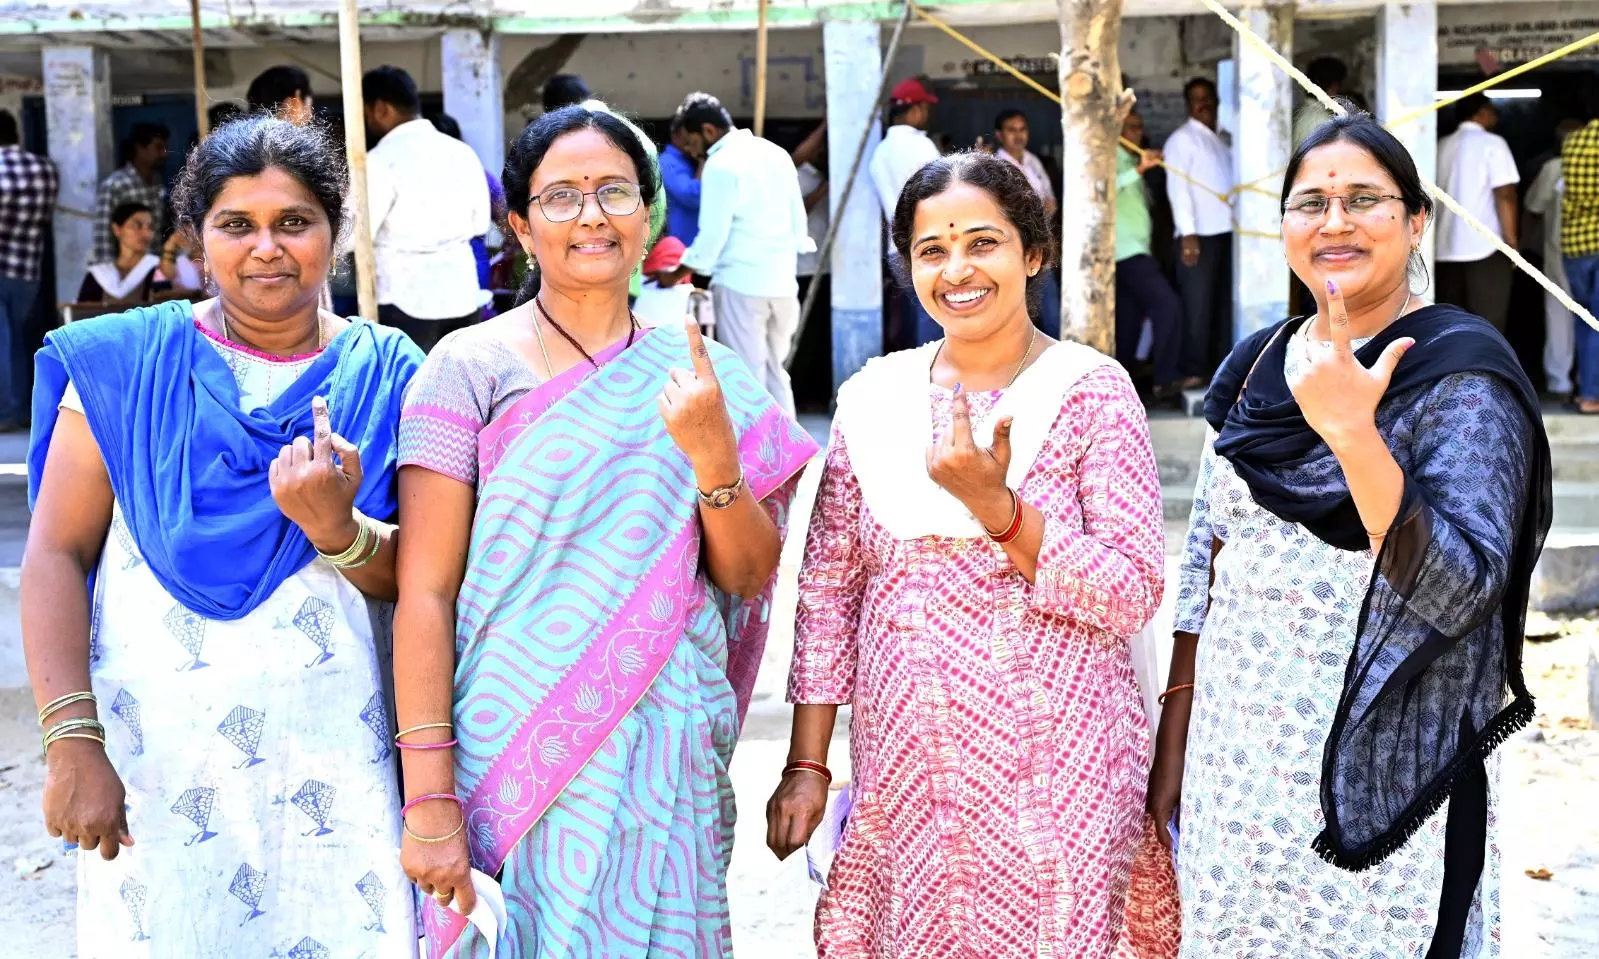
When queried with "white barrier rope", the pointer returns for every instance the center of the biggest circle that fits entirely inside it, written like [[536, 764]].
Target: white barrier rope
[[1448, 201]]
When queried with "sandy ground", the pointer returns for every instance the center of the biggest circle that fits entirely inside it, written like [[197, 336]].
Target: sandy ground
[[1551, 776]]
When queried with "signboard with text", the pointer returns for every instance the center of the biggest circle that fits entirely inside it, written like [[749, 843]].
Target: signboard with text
[[1513, 33]]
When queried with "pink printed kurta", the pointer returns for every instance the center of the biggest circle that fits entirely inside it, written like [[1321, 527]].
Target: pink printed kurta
[[999, 744]]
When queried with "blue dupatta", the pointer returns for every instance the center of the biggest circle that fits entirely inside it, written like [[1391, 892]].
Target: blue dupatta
[[189, 468]]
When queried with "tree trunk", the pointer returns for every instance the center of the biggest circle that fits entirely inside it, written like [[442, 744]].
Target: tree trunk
[[1093, 106]]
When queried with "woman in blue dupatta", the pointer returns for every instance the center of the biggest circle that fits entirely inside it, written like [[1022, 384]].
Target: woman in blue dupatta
[[211, 487], [598, 512]]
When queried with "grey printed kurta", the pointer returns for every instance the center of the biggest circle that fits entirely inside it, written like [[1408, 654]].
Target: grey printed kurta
[[1276, 631]]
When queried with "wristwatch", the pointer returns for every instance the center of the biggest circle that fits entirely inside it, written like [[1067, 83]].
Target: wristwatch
[[723, 496]]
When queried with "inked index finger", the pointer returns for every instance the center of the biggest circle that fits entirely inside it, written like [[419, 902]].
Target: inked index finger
[[961, 415], [321, 429], [1338, 315], [697, 350]]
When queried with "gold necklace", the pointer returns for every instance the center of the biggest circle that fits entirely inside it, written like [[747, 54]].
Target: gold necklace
[[1032, 341], [227, 334]]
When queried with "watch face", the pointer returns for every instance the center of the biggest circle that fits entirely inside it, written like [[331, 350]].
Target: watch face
[[723, 498]]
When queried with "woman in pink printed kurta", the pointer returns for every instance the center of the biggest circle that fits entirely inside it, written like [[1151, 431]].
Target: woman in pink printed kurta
[[998, 740]]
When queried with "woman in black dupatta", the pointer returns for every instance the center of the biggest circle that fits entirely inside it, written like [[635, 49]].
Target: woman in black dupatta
[[1372, 500]]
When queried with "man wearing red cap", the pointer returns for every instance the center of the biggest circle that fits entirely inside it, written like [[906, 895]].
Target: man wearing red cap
[[905, 148]]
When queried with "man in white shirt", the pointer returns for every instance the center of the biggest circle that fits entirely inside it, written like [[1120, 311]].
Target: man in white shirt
[[1475, 167], [904, 149], [1203, 217], [1544, 199], [428, 199], [752, 230], [1010, 129]]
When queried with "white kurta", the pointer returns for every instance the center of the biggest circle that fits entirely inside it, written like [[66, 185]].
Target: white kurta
[[261, 781]]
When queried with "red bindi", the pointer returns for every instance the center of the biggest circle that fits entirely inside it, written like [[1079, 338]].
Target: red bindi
[[1329, 176]]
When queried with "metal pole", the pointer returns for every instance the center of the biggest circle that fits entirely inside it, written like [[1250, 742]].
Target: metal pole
[[202, 122], [355, 145], [760, 70], [854, 168]]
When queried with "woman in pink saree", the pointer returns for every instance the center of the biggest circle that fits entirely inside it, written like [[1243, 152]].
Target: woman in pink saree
[[599, 512]]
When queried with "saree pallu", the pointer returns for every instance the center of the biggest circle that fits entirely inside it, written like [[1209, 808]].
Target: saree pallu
[[601, 679]]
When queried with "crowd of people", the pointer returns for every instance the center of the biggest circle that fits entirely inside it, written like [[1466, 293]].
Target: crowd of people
[[272, 724]]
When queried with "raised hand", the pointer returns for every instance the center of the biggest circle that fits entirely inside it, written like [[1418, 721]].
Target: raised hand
[[973, 474], [314, 483], [1337, 395], [696, 414]]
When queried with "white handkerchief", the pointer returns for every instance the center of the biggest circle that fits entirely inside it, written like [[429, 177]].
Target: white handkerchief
[[489, 913]]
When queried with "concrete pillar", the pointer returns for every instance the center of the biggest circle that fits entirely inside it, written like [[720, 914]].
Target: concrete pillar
[[472, 92], [1262, 144], [854, 65], [77, 99], [1407, 80]]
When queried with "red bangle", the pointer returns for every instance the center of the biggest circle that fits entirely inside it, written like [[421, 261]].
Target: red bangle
[[1016, 520], [1161, 699], [806, 765]]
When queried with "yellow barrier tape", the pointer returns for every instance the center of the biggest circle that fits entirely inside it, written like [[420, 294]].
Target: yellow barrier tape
[[1497, 79], [1448, 201], [1051, 94], [1487, 84]]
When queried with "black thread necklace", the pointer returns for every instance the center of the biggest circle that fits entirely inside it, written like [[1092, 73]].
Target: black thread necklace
[[632, 328]]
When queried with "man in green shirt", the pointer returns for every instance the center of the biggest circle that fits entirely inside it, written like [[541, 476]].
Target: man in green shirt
[[1142, 291]]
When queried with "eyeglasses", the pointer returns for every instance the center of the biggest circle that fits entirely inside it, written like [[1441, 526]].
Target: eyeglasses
[[1310, 209], [562, 203]]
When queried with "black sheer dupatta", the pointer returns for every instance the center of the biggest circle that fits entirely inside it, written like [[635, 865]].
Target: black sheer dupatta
[[1434, 682]]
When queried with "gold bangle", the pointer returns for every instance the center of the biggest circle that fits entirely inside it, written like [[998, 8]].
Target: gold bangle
[[61, 702], [73, 729], [373, 546], [70, 724], [445, 838], [363, 539], [57, 739], [417, 729]]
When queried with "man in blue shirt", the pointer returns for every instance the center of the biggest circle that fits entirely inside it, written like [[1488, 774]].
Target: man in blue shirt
[[752, 229], [680, 174]]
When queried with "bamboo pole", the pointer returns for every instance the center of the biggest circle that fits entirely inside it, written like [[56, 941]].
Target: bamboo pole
[[355, 145], [760, 70], [201, 119]]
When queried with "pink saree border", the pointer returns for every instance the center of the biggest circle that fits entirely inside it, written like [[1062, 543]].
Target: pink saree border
[[495, 439]]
